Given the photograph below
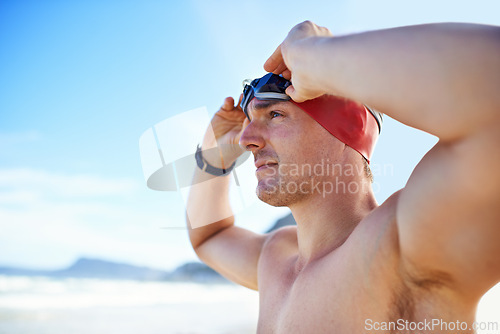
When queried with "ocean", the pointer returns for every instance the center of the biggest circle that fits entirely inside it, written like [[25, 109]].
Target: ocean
[[30, 305]]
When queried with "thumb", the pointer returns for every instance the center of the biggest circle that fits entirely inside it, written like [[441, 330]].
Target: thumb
[[290, 91]]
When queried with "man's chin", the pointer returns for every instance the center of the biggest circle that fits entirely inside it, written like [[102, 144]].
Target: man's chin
[[270, 199], [267, 185], [270, 193]]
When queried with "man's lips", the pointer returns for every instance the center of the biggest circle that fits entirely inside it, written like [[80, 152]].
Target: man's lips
[[260, 164]]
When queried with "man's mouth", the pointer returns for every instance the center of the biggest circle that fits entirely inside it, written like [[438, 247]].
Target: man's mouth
[[261, 164]]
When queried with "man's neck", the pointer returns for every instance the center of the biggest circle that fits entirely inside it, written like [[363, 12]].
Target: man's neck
[[324, 223]]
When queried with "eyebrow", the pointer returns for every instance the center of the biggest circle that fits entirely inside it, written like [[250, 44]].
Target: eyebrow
[[264, 104]]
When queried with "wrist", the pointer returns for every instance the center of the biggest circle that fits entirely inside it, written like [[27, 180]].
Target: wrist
[[209, 168], [212, 155], [221, 156]]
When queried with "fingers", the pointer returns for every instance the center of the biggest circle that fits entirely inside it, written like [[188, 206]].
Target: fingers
[[228, 104], [287, 74], [280, 69], [238, 106], [274, 62], [290, 91]]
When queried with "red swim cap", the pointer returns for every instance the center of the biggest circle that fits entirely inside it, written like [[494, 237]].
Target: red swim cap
[[350, 122]]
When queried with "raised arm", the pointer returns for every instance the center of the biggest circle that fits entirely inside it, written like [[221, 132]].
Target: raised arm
[[424, 76], [232, 251], [443, 79]]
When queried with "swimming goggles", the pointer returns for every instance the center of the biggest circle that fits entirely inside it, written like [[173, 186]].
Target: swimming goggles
[[272, 87], [269, 87]]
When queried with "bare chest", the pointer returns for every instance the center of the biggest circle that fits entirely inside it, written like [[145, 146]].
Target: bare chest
[[345, 296], [318, 302]]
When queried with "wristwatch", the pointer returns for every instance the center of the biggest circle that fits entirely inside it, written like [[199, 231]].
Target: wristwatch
[[207, 168]]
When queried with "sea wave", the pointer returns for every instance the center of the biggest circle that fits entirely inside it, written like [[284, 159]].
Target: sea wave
[[91, 306], [42, 292]]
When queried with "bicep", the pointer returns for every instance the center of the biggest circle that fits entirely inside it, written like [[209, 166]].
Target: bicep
[[449, 213], [234, 252]]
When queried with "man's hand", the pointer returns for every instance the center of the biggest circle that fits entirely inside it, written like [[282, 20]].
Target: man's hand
[[287, 60], [227, 125]]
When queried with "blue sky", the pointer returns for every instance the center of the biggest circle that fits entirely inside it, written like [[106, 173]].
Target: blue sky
[[81, 81]]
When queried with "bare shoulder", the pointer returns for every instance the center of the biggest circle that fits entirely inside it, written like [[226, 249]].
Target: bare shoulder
[[282, 239], [279, 250]]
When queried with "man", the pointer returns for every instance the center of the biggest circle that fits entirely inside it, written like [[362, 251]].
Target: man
[[428, 253]]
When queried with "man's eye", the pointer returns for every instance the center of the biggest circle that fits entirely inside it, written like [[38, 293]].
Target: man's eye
[[274, 114]]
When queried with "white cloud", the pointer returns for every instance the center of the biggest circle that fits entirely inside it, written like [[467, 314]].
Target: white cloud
[[31, 180]]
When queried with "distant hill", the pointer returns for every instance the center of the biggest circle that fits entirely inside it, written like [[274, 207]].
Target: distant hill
[[95, 268], [196, 272]]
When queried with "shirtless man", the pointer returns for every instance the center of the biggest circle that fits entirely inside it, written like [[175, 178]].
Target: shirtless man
[[422, 258]]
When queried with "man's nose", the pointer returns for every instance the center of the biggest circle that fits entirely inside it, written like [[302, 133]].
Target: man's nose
[[251, 139]]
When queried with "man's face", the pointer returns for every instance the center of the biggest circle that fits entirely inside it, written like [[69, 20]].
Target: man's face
[[288, 147]]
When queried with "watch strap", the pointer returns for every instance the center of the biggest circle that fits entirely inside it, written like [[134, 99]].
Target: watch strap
[[207, 168]]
